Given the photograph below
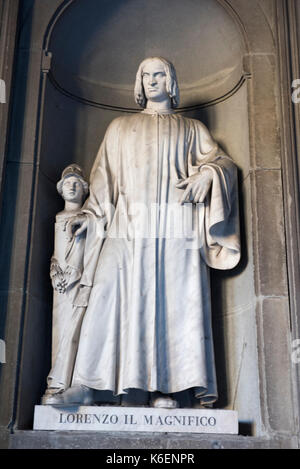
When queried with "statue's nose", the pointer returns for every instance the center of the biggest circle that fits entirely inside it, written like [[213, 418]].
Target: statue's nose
[[152, 80]]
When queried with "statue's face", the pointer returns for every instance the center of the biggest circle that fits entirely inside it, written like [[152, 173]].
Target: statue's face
[[72, 189], [154, 80]]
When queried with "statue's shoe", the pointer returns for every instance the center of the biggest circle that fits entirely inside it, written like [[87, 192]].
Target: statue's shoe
[[164, 403], [78, 395], [50, 398]]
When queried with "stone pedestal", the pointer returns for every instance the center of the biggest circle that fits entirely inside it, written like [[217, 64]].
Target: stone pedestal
[[136, 419]]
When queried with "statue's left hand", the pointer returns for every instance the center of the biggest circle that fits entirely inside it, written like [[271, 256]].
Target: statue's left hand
[[196, 186]]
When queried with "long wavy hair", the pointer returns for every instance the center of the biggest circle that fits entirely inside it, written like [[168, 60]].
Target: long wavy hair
[[171, 83]]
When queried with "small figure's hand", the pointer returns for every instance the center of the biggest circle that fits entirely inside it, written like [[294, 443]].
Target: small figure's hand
[[62, 286], [196, 186], [76, 225], [59, 283], [56, 274]]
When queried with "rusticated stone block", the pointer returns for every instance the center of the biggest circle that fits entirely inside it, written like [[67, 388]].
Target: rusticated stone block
[[15, 222], [278, 379], [266, 136], [270, 235], [10, 307]]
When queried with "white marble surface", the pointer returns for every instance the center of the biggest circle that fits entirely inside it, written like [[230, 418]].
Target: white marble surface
[[137, 419], [65, 276]]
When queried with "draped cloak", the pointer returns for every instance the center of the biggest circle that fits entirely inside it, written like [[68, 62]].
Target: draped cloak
[[148, 319]]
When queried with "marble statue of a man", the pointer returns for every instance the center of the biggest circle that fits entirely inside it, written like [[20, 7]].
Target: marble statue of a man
[[65, 272], [148, 321]]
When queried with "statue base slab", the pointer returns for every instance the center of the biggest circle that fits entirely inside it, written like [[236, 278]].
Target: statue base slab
[[136, 419]]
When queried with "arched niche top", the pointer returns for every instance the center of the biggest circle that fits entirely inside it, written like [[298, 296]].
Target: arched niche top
[[96, 46]]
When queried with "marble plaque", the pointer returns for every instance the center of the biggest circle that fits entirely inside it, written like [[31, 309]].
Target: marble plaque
[[137, 419]]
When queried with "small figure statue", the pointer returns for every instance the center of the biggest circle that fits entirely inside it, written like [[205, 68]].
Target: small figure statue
[[65, 273]]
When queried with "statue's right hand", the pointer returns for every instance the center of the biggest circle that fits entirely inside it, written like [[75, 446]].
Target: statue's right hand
[[76, 225]]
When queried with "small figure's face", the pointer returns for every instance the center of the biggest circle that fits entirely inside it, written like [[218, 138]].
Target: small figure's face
[[72, 189], [154, 81]]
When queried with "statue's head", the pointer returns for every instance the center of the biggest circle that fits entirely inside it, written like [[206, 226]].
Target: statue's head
[[72, 186], [155, 80]]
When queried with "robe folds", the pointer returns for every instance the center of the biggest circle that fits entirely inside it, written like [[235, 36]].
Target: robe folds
[[66, 318], [146, 263]]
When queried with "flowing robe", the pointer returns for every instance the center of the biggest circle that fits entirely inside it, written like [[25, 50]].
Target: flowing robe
[[148, 320]]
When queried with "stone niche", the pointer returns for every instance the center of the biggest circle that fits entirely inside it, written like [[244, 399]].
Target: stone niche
[[95, 54], [91, 50]]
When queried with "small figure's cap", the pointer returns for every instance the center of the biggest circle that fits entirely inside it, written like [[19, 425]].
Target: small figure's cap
[[73, 170]]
